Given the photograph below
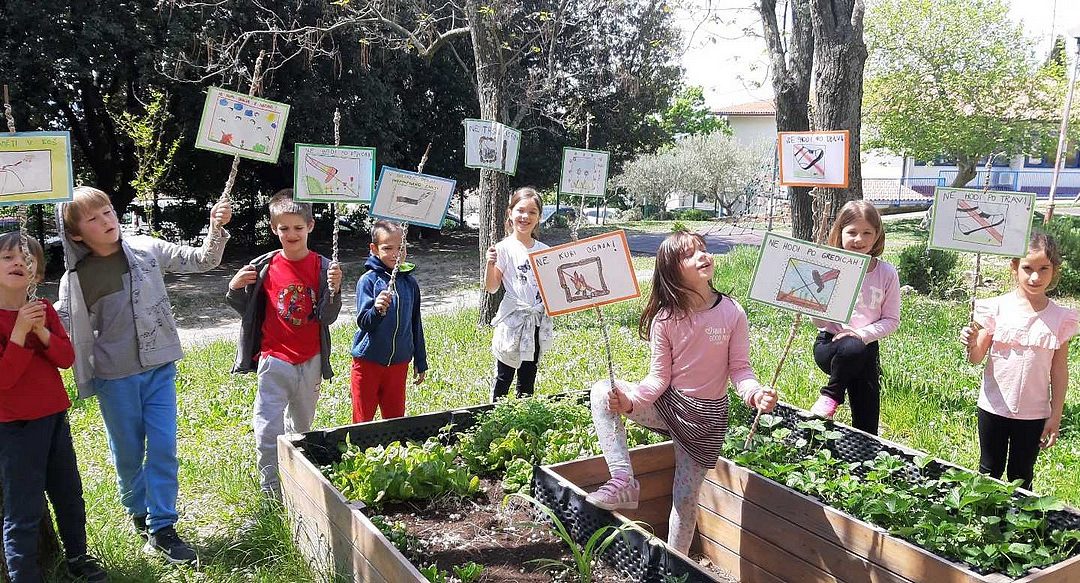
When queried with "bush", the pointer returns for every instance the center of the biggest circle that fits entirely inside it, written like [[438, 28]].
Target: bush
[[692, 215], [679, 227], [1066, 231], [929, 271], [631, 214]]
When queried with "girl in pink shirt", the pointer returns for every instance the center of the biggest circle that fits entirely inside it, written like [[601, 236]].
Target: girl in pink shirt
[[848, 353], [699, 342], [1025, 379]]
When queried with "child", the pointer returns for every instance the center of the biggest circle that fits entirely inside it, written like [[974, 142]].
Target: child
[[1024, 382], [288, 298], [114, 303], [523, 331], [848, 353], [36, 453], [390, 332], [699, 340]]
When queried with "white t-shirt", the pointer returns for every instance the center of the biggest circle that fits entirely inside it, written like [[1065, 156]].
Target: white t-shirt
[[518, 278]]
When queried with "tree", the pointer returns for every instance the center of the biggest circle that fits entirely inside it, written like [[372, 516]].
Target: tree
[[688, 115], [956, 79], [650, 178]]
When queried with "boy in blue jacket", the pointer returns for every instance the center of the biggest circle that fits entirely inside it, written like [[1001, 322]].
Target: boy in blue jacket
[[390, 332]]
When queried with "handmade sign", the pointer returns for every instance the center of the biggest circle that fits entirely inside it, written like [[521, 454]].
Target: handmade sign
[[235, 123], [992, 222], [491, 145], [420, 199], [813, 159], [584, 172], [333, 174], [586, 273], [816, 280], [35, 167]]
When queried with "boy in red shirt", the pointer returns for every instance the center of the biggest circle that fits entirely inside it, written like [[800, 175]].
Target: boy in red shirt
[[288, 299]]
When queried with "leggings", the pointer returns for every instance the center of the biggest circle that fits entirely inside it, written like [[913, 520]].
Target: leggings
[[689, 475], [853, 369], [526, 375], [1014, 442]]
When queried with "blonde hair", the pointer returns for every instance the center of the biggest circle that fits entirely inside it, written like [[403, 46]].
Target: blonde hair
[[282, 203], [524, 193], [13, 240], [851, 212], [86, 199]]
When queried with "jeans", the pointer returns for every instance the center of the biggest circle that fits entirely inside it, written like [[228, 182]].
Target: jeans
[[37, 457], [853, 369], [140, 421]]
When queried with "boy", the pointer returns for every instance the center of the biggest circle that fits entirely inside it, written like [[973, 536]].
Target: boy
[[115, 306], [390, 333], [36, 453], [288, 298]]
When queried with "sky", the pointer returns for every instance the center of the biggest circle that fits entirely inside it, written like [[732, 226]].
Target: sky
[[729, 61]]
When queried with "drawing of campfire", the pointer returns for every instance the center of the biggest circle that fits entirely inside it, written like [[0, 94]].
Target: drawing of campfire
[[583, 280]]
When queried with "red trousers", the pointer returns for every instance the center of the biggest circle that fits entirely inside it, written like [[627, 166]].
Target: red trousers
[[376, 386]]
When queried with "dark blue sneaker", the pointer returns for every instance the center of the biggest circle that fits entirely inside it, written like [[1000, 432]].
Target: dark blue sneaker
[[86, 568], [166, 542], [141, 528]]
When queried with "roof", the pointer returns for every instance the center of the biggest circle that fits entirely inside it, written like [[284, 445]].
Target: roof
[[765, 107]]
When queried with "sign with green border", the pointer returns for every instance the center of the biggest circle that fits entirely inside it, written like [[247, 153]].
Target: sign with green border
[[242, 125], [344, 174], [992, 222], [35, 167], [584, 172], [491, 145]]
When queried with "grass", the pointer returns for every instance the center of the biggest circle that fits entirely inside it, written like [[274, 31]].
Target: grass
[[928, 403]]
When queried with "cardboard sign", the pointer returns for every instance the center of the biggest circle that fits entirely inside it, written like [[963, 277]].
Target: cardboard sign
[[819, 281], [584, 172], [992, 222], [583, 274], [418, 199], [35, 167], [491, 145], [235, 123], [333, 173], [813, 159]]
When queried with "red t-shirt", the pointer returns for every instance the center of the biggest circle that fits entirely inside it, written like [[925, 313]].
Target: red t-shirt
[[30, 385], [290, 331]]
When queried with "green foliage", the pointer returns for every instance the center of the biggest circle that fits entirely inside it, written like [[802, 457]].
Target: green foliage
[[399, 472], [679, 227], [689, 114], [929, 271], [955, 513], [692, 215], [153, 152], [399, 536], [1066, 232], [467, 573]]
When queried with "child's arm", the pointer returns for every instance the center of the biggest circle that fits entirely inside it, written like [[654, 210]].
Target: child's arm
[[890, 314], [420, 363], [752, 392], [660, 364], [492, 273], [241, 286], [1059, 385], [16, 356], [369, 313], [977, 340], [329, 299], [186, 259], [50, 331]]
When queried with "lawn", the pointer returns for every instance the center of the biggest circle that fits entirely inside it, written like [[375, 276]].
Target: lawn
[[928, 403]]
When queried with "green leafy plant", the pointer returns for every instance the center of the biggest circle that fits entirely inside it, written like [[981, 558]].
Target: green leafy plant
[[468, 572], [398, 535], [929, 271], [693, 215], [679, 227]]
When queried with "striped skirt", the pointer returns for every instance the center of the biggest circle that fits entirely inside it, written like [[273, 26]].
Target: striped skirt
[[698, 425]]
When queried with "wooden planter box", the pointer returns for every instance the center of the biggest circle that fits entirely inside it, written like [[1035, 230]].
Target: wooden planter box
[[760, 530]]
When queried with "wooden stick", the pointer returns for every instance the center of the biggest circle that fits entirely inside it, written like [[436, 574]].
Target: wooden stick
[[392, 285], [21, 213], [334, 206], [256, 82], [976, 275], [776, 374]]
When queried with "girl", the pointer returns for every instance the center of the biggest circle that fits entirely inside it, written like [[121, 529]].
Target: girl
[[36, 453], [848, 353], [522, 329], [699, 340], [1025, 379]]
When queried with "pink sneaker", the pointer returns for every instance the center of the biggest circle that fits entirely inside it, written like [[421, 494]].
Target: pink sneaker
[[825, 407], [621, 491]]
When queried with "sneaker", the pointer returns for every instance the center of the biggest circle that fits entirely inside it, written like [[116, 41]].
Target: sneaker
[[169, 544], [825, 407], [621, 491], [86, 568], [141, 528]]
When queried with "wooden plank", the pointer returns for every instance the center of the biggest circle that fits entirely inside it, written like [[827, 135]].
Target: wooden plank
[[653, 512], [870, 542], [1067, 571], [721, 510], [742, 569], [593, 470]]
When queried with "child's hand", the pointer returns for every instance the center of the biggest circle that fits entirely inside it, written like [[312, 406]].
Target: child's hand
[[221, 214], [845, 334], [765, 399], [1050, 433], [245, 277], [333, 277], [492, 255], [968, 335], [382, 302], [31, 316], [618, 402], [419, 377]]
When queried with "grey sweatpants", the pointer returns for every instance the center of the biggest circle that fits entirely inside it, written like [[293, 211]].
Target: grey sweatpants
[[285, 403]]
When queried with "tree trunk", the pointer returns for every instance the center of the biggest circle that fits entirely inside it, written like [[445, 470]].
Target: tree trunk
[[840, 54], [792, 61], [965, 172], [494, 186]]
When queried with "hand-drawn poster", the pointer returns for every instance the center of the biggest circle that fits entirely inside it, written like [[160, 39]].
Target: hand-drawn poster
[[417, 199], [816, 280], [814, 159], [584, 172], [993, 222], [235, 123], [491, 145], [333, 173], [35, 167], [586, 273]]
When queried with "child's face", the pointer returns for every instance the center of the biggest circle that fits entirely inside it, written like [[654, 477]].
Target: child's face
[[858, 236], [696, 265], [15, 274], [388, 248], [1033, 273], [99, 229], [292, 231], [524, 216]]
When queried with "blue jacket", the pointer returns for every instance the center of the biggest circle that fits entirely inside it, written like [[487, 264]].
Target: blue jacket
[[399, 335]]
